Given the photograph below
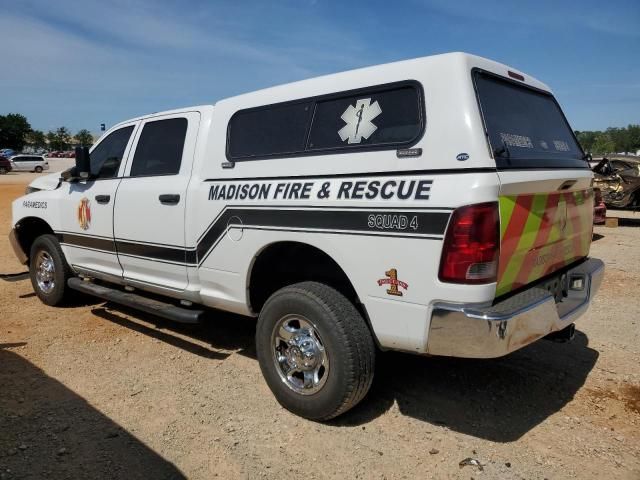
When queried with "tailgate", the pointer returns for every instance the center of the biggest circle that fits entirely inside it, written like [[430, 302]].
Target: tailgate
[[542, 232], [546, 198]]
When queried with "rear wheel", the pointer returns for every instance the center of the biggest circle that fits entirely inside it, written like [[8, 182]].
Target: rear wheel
[[315, 350], [3, 170], [38, 169], [49, 270]]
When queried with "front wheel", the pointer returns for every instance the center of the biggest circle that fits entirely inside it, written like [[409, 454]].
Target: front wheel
[[38, 170], [49, 270], [315, 350]]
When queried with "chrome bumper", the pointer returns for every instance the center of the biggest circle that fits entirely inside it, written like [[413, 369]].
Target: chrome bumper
[[476, 331], [17, 248]]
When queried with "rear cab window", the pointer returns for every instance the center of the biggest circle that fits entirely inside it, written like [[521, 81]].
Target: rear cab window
[[525, 126]]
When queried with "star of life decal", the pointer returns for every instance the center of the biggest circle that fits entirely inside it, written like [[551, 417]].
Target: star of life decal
[[358, 120]]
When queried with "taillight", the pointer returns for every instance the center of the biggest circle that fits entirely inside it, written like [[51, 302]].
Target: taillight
[[471, 245], [598, 196]]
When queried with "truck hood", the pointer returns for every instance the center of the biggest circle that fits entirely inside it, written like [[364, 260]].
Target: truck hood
[[46, 182]]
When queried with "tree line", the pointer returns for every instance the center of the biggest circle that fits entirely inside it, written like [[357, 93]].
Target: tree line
[[16, 133], [611, 140]]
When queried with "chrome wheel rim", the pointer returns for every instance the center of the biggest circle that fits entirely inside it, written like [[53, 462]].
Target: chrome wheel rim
[[299, 354], [45, 272]]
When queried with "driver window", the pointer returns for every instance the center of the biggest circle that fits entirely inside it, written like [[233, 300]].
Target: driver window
[[106, 157]]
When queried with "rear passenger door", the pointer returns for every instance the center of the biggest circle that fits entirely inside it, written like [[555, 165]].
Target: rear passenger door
[[149, 212]]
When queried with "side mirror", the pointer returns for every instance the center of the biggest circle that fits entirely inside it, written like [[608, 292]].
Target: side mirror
[[83, 165]]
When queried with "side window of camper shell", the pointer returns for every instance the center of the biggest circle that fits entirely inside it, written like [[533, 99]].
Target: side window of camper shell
[[377, 118]]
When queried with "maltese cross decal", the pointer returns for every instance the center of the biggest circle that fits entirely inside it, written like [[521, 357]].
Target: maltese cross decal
[[358, 120]]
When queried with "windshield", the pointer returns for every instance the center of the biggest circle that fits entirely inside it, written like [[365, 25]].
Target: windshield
[[525, 127]]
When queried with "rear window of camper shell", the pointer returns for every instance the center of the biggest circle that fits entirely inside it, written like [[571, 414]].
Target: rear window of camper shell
[[525, 126]]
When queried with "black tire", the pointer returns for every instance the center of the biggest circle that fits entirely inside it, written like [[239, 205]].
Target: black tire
[[3, 170], [346, 339], [59, 292], [38, 170]]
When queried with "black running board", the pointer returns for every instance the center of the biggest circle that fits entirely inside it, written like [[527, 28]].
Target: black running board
[[138, 302]]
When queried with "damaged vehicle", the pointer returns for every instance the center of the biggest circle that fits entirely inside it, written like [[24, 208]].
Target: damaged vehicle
[[619, 181]]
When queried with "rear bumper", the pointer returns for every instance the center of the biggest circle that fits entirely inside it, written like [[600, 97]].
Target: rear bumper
[[474, 331], [17, 248]]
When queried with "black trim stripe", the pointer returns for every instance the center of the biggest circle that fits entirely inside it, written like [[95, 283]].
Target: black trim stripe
[[395, 173], [396, 210], [346, 221], [429, 223], [86, 241], [166, 253]]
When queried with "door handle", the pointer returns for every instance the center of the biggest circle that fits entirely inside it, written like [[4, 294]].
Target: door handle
[[169, 198], [103, 198]]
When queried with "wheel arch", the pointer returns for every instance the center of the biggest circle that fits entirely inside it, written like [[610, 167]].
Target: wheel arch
[[30, 228], [281, 263]]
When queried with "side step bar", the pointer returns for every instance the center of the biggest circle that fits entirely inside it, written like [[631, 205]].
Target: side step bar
[[138, 302]]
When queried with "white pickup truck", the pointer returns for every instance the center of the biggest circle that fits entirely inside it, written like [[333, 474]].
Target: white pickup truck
[[438, 206]]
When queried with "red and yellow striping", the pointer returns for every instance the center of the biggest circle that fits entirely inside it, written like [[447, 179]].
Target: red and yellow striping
[[541, 233]]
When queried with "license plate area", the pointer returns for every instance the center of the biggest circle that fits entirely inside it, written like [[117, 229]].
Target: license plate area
[[557, 286]]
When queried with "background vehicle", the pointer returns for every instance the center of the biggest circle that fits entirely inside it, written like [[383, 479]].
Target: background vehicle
[[29, 163], [7, 152], [5, 165], [619, 181]]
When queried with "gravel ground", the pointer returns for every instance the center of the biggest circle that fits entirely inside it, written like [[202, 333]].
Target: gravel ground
[[95, 391]]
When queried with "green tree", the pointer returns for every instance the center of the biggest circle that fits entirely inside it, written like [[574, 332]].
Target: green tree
[[60, 139], [604, 144], [587, 139], [37, 139], [84, 138], [613, 139], [13, 131], [618, 137], [634, 137], [50, 137]]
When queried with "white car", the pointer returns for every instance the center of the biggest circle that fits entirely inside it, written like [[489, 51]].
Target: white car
[[29, 163], [439, 206]]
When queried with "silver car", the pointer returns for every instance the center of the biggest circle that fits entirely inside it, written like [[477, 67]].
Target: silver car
[[29, 163]]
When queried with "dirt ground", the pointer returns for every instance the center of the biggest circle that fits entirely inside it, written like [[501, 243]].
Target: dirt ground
[[95, 391]]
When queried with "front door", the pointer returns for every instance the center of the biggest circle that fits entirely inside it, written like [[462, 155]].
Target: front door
[[86, 212], [150, 203]]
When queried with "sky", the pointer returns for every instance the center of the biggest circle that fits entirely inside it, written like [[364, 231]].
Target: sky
[[82, 63]]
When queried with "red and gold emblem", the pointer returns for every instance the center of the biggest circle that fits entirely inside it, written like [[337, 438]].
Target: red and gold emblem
[[393, 282], [84, 214]]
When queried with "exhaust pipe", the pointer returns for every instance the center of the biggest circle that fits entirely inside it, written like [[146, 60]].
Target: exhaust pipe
[[563, 336]]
